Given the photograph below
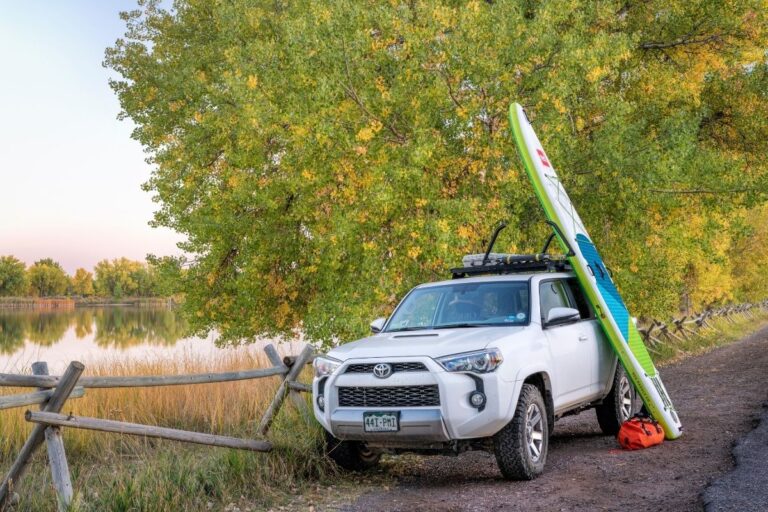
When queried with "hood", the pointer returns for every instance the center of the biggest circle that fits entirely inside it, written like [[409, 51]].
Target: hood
[[429, 343]]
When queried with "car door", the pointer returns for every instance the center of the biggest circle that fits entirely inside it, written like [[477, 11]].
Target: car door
[[602, 356], [572, 360]]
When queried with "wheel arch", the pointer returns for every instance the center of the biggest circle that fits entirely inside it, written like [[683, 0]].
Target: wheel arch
[[543, 382]]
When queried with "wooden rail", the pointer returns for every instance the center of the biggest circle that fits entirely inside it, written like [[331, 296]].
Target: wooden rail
[[141, 381], [37, 397], [48, 422], [684, 328], [122, 427]]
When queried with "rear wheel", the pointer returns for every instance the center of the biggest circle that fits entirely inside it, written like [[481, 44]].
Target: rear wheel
[[521, 446], [619, 405], [350, 455]]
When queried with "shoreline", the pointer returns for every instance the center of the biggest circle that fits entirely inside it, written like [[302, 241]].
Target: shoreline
[[69, 303]]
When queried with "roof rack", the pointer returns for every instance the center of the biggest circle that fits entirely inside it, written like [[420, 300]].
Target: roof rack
[[512, 264], [495, 263]]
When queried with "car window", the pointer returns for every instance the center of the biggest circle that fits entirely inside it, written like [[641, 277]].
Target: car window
[[463, 305], [552, 294], [579, 299], [419, 312]]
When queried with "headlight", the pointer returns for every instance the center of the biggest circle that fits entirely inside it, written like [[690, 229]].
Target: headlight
[[325, 366], [482, 361]]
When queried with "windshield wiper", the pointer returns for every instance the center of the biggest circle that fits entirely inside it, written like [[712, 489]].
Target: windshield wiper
[[414, 328], [459, 325]]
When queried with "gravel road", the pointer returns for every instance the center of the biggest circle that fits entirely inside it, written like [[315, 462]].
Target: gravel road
[[719, 397]]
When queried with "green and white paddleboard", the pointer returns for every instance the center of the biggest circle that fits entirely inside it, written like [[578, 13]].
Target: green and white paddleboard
[[593, 276]]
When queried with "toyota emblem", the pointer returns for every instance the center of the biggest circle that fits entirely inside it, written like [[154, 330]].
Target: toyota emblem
[[382, 370]]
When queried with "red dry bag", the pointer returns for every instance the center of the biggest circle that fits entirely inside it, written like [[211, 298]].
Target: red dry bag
[[640, 432]]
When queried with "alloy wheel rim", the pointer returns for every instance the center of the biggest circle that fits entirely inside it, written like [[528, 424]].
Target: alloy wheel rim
[[534, 432], [625, 395]]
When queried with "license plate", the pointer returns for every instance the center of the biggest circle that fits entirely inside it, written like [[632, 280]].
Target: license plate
[[381, 421]]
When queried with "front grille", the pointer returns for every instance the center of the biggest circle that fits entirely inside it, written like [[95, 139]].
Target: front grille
[[396, 367], [397, 396]]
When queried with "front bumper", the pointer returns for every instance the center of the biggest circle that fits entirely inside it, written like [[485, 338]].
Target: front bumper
[[416, 424], [454, 418]]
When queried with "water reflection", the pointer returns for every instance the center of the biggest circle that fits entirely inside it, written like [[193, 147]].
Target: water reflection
[[116, 328]]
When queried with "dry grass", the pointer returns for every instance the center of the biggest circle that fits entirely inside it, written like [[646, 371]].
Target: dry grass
[[114, 472]]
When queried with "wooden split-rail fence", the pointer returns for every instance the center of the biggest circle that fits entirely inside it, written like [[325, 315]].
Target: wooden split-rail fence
[[52, 392], [686, 327]]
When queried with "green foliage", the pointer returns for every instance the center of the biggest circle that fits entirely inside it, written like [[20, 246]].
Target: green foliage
[[324, 157], [13, 279], [168, 273], [82, 283], [47, 278], [122, 277]]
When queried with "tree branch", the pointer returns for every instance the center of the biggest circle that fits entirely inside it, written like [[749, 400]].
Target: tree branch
[[703, 191], [352, 93], [688, 39]]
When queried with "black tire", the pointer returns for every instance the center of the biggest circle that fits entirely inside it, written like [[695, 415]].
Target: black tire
[[350, 455], [615, 410], [515, 444]]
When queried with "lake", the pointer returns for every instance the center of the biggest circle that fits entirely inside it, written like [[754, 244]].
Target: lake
[[98, 334]]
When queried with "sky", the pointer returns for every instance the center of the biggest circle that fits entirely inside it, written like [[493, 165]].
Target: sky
[[70, 175]]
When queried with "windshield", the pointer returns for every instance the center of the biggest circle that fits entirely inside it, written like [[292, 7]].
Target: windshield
[[463, 305]]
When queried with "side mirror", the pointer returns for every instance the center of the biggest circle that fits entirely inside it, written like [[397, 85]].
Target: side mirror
[[560, 316], [378, 324]]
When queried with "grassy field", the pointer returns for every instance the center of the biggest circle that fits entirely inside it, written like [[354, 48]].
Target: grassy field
[[124, 473], [121, 473]]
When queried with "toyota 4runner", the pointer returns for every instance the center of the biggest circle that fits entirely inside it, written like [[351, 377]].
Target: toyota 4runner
[[488, 360]]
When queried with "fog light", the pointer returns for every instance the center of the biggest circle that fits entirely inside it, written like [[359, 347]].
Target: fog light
[[477, 399], [321, 402]]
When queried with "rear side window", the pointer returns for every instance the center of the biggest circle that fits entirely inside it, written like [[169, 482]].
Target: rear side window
[[552, 294], [579, 299]]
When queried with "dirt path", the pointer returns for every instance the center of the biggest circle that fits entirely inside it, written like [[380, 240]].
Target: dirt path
[[719, 397]]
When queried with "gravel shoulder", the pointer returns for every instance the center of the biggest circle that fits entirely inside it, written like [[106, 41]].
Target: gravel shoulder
[[744, 488], [719, 396]]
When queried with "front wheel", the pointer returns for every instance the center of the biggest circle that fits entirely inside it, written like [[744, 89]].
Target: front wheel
[[521, 446], [350, 455], [619, 405]]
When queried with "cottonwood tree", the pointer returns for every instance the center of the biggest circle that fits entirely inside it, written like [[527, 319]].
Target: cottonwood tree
[[323, 157], [13, 280], [82, 283], [122, 277], [47, 278]]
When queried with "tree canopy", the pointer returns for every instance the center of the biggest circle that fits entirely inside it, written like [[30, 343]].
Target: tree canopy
[[122, 277], [13, 277], [82, 283], [323, 157], [47, 278]]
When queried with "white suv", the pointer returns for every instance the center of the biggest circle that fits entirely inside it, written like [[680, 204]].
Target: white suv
[[484, 363]]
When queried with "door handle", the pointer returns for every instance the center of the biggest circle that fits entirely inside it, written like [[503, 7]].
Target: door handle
[[583, 338]]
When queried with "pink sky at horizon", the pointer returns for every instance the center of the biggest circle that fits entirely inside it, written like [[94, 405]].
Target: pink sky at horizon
[[70, 173]]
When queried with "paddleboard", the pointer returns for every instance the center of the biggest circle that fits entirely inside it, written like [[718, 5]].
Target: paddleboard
[[594, 277]]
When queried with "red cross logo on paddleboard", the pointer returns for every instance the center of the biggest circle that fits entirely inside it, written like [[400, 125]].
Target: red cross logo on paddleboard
[[543, 158]]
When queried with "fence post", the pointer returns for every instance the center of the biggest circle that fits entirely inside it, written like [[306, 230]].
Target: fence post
[[57, 457], [293, 391], [35, 439], [293, 374]]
